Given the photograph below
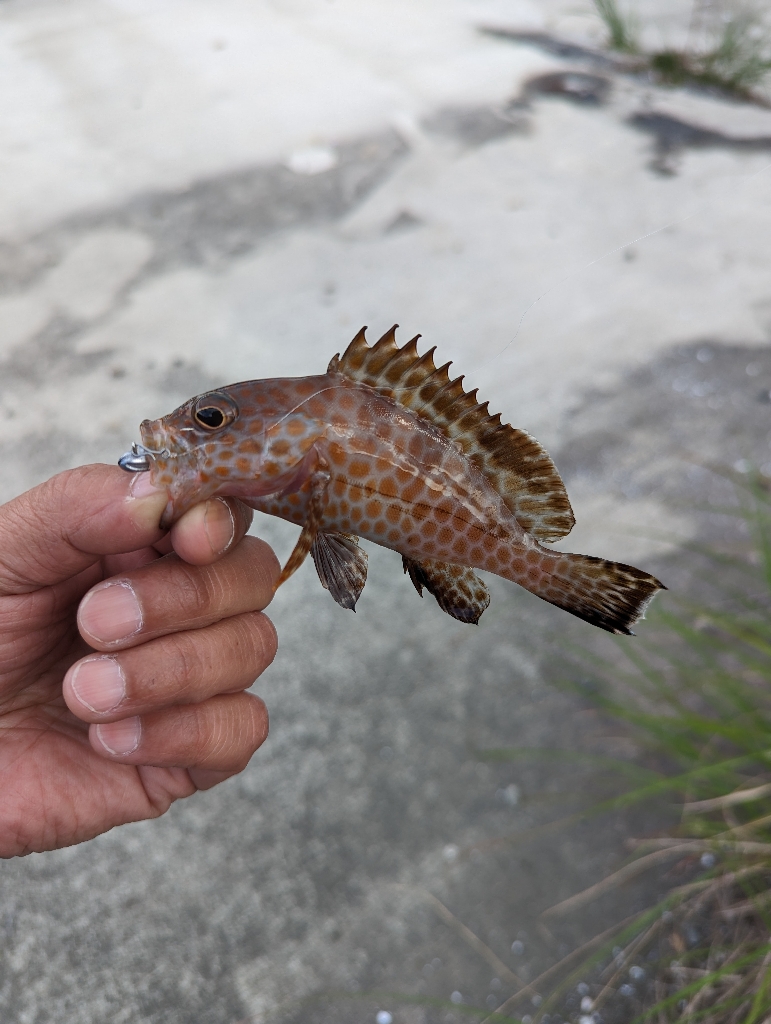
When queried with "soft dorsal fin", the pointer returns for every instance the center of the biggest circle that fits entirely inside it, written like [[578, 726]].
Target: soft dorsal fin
[[519, 468]]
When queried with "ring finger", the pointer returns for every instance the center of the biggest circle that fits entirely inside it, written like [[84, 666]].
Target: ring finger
[[219, 735]]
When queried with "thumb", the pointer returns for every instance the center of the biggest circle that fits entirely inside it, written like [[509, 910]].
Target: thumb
[[64, 525]]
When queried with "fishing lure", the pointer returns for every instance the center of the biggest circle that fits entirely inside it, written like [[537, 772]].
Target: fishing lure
[[386, 446]]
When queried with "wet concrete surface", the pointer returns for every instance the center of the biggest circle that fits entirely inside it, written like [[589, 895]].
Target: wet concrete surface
[[297, 892]]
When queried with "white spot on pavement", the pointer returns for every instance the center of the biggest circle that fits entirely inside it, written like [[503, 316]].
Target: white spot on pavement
[[312, 160]]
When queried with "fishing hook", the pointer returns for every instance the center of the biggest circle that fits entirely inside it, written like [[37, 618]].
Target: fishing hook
[[138, 459]]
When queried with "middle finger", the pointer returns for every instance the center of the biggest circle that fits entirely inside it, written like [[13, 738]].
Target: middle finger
[[182, 668], [170, 595]]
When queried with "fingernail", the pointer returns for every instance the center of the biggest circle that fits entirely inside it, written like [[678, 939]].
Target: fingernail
[[220, 525], [120, 738], [147, 503], [142, 486], [111, 612], [98, 684]]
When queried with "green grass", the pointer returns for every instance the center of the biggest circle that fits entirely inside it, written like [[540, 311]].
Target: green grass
[[622, 32], [741, 57], [736, 59]]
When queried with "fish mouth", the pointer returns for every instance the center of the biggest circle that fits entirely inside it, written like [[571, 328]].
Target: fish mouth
[[158, 441], [172, 462], [155, 444]]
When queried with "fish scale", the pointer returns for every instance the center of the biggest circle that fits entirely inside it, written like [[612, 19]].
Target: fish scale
[[386, 447]]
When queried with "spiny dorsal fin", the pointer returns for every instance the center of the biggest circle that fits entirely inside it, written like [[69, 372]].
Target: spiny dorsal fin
[[519, 468]]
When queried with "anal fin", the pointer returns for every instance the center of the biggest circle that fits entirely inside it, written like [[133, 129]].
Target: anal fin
[[341, 565], [457, 589]]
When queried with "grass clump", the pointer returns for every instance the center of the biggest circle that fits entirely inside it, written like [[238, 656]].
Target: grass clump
[[737, 63], [622, 31], [735, 59]]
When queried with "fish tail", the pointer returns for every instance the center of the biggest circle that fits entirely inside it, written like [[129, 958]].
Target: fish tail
[[610, 595]]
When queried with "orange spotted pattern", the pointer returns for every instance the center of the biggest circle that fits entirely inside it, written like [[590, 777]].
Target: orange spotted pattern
[[392, 476]]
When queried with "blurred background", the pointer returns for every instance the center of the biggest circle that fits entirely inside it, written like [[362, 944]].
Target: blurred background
[[572, 202]]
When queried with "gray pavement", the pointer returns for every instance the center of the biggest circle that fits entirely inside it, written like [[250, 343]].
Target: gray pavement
[[191, 200]]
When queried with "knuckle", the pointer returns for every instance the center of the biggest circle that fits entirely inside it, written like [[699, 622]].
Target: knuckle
[[265, 568], [199, 736], [260, 721], [181, 664], [270, 638], [218, 740], [256, 636], [196, 589], [213, 587], [20, 516], [232, 732]]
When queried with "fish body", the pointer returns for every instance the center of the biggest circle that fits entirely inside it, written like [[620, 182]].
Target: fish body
[[387, 447]]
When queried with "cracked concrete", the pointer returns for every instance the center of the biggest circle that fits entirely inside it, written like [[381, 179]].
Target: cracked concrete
[[155, 241]]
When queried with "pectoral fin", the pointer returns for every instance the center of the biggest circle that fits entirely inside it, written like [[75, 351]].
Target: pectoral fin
[[457, 589], [341, 565]]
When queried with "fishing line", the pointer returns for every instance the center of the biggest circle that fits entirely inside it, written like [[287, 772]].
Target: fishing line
[[640, 238]]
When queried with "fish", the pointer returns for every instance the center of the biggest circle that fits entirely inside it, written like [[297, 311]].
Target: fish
[[387, 447]]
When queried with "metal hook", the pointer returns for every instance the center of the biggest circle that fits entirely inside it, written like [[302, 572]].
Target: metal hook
[[138, 459]]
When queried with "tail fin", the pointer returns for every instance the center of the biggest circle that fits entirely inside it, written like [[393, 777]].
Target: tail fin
[[606, 594]]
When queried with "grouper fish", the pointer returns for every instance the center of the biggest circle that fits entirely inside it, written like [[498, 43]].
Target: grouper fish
[[386, 446]]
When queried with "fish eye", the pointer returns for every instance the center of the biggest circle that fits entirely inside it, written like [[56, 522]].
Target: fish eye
[[214, 411], [211, 416]]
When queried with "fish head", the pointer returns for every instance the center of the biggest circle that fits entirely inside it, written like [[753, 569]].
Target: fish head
[[203, 448]]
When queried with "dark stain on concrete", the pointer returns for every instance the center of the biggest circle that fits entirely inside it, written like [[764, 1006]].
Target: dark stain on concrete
[[217, 219], [556, 47], [49, 353], [475, 126], [405, 220], [576, 86], [671, 136], [211, 222]]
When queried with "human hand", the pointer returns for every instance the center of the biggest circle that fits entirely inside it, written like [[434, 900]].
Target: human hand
[[93, 740]]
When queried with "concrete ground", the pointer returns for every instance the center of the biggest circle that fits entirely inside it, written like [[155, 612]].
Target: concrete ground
[[194, 194]]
